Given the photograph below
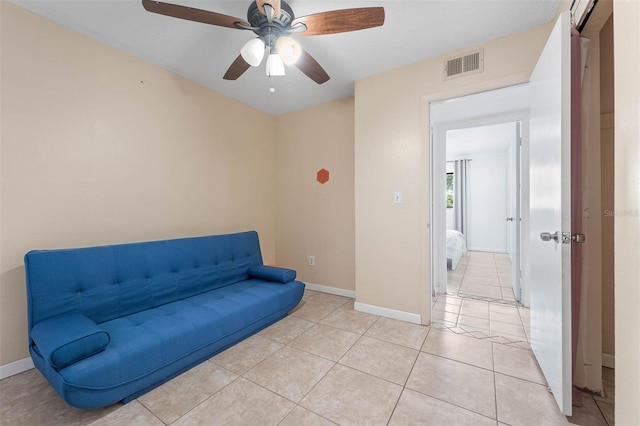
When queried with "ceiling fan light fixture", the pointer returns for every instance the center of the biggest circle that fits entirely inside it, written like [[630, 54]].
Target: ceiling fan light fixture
[[275, 66], [289, 50], [253, 51], [270, 20]]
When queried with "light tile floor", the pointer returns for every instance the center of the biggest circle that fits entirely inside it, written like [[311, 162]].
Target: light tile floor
[[497, 322], [482, 275], [328, 364]]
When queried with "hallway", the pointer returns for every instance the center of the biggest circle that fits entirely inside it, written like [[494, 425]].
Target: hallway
[[482, 275]]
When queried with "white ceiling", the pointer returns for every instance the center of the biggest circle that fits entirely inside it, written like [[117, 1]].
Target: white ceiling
[[480, 140], [480, 123], [460, 112], [413, 31]]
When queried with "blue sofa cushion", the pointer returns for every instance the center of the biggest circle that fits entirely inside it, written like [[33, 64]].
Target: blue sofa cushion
[[109, 282], [68, 338], [146, 341], [271, 273]]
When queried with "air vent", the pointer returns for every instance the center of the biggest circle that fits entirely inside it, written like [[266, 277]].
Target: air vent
[[469, 63]]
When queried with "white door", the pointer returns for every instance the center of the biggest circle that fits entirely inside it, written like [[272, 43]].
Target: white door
[[513, 213], [550, 212]]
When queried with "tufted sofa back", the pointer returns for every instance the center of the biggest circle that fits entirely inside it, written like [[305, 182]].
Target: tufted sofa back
[[109, 282]]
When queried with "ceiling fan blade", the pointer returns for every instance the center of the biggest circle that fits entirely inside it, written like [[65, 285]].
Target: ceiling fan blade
[[237, 68], [275, 4], [308, 65], [339, 21], [193, 14]]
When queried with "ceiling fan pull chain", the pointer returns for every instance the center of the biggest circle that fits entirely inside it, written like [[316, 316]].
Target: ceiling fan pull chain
[[271, 88]]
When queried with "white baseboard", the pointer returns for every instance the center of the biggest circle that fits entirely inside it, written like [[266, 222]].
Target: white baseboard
[[388, 313], [608, 360], [330, 290], [15, 367], [363, 307]]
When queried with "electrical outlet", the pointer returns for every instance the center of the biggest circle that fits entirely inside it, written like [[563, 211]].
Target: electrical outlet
[[312, 261]]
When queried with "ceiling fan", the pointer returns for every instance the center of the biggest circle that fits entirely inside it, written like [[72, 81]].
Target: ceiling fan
[[274, 22]]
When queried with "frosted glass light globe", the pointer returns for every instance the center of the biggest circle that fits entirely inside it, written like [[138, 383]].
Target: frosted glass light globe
[[275, 66], [253, 51], [289, 50]]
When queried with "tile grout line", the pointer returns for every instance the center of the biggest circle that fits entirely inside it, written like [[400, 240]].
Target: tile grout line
[[318, 382], [297, 404], [455, 360], [346, 366], [440, 399], [301, 350], [404, 386], [313, 387], [495, 382], [465, 328], [149, 410], [601, 412], [434, 397], [210, 396], [443, 400]]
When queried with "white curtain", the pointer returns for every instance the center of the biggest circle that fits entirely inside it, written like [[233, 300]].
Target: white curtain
[[460, 196]]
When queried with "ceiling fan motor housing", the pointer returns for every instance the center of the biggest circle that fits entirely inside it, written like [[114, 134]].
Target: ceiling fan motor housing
[[270, 32]]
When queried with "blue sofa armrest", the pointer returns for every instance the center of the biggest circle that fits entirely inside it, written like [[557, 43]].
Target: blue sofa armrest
[[68, 338], [272, 273]]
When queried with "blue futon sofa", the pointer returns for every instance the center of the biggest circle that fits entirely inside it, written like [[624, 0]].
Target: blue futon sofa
[[110, 323]]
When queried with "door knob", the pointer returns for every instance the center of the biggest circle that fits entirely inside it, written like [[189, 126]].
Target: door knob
[[547, 236], [509, 219]]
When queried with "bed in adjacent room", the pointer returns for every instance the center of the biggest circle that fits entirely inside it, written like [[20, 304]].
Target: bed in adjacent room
[[456, 248]]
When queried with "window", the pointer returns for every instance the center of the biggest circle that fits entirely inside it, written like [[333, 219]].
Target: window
[[449, 190]]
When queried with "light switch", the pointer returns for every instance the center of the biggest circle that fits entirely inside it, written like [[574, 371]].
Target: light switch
[[397, 197]]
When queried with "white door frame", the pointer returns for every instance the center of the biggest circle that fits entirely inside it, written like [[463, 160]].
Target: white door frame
[[437, 181], [514, 228]]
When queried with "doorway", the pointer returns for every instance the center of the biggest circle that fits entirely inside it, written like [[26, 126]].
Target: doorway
[[483, 212], [479, 139], [589, 364], [491, 126]]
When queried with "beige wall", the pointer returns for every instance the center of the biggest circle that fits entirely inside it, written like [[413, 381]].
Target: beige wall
[[626, 42], [607, 162], [99, 147], [317, 219], [391, 154], [90, 155]]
